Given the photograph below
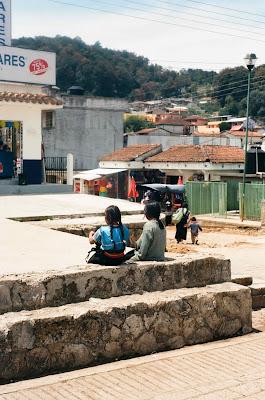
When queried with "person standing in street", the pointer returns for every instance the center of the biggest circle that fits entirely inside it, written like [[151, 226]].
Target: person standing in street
[[182, 225], [194, 230]]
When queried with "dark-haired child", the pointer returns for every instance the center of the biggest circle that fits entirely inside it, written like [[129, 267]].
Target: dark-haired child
[[111, 240], [194, 230], [152, 243]]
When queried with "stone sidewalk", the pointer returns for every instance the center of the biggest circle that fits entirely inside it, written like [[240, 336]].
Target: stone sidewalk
[[225, 370]]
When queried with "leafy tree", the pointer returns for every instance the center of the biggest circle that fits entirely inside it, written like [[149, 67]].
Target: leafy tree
[[135, 123], [230, 82], [224, 126]]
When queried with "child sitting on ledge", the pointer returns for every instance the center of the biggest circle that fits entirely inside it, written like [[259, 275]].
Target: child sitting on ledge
[[152, 243], [111, 240]]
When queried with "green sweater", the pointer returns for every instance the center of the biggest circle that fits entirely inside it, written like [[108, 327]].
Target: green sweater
[[152, 243]]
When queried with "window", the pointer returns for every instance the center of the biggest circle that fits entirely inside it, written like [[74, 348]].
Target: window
[[48, 119]]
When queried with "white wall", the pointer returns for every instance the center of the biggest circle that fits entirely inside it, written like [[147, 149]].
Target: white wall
[[169, 141], [30, 115]]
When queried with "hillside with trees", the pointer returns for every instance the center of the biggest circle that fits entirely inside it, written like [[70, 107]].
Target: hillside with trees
[[111, 73]]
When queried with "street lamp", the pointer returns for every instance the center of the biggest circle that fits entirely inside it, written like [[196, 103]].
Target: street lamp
[[250, 61]]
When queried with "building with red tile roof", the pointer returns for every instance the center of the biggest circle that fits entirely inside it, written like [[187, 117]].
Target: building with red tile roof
[[212, 154], [130, 157], [212, 162]]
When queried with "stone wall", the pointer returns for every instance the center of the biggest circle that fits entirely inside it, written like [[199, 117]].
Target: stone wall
[[76, 284], [79, 335]]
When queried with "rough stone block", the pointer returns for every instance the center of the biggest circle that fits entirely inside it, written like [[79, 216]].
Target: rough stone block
[[76, 284], [243, 280], [101, 330]]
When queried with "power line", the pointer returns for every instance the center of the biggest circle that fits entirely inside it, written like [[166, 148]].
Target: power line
[[196, 15], [238, 90], [228, 91], [157, 21], [227, 8], [189, 62], [171, 16], [210, 12]]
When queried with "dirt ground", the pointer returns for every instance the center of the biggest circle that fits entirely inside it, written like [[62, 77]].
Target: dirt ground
[[244, 247], [217, 238]]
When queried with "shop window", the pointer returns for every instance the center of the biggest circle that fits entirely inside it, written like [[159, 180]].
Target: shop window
[[48, 119]]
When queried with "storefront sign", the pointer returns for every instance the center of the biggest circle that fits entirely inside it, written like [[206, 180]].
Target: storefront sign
[[27, 66], [5, 23]]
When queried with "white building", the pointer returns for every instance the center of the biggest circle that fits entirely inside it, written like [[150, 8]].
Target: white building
[[21, 107]]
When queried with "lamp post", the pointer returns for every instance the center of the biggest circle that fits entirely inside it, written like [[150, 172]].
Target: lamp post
[[250, 61]]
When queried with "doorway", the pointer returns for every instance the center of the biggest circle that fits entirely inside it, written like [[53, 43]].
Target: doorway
[[11, 148]]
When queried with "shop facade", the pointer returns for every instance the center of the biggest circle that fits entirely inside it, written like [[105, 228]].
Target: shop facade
[[21, 108]]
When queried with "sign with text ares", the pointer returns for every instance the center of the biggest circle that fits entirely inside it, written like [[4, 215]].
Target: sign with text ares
[[5, 23], [27, 66]]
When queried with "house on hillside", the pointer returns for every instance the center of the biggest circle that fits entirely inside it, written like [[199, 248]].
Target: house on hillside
[[173, 125], [253, 137], [240, 124]]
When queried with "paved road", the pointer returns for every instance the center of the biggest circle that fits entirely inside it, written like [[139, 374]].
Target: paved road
[[26, 248], [59, 204], [225, 370]]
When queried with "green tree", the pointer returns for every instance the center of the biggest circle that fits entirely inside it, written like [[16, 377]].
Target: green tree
[[135, 123], [224, 126]]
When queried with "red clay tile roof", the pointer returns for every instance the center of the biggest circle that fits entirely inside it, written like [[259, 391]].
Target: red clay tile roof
[[145, 131], [214, 154], [130, 153], [30, 98], [236, 128], [172, 119], [243, 134], [207, 134], [190, 117]]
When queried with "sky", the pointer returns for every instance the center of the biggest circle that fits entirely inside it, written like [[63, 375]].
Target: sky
[[184, 37]]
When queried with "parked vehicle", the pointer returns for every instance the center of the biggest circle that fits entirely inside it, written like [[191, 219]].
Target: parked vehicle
[[169, 196]]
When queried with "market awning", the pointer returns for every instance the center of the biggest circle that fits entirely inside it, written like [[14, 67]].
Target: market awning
[[97, 173]]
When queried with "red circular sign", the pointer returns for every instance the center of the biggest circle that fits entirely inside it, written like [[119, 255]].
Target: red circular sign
[[39, 67]]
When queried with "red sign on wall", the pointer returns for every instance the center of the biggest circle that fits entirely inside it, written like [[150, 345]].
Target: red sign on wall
[[39, 67], [1, 168]]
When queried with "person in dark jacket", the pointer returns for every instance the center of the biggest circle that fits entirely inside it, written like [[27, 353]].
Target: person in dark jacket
[[182, 226], [152, 243]]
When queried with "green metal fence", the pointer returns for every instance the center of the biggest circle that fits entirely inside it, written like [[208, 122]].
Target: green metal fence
[[207, 197], [255, 193], [232, 194]]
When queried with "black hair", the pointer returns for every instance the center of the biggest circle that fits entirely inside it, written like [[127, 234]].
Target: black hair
[[184, 204], [113, 217], [193, 219], [152, 210]]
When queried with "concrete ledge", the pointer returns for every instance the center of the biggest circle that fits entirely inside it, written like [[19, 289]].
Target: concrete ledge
[[7, 190], [76, 284], [79, 335], [211, 222]]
